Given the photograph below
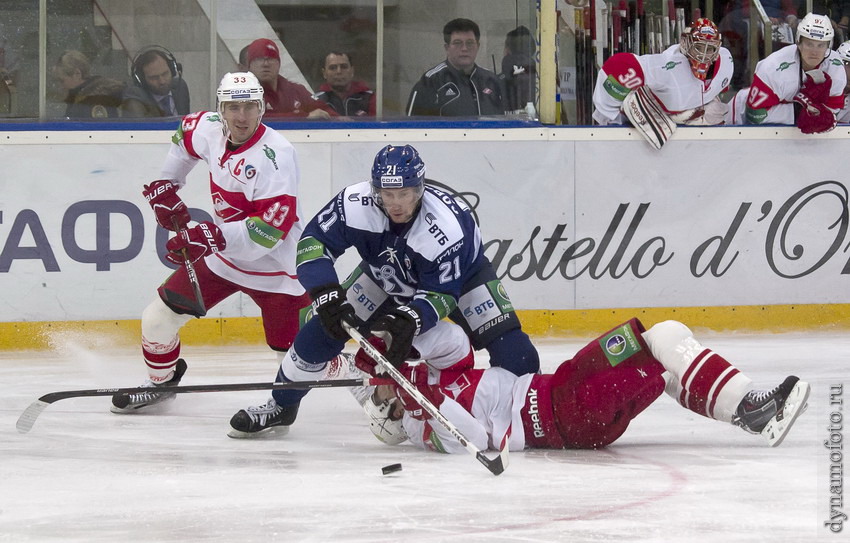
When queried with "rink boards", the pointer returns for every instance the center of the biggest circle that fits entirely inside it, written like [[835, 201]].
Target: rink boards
[[723, 229]]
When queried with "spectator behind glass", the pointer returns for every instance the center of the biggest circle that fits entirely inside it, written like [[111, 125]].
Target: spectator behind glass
[[283, 97], [88, 96], [341, 91], [457, 86], [242, 64], [158, 88], [519, 70]]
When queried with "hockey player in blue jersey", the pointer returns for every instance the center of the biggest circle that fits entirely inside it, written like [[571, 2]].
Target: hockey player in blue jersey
[[422, 260]]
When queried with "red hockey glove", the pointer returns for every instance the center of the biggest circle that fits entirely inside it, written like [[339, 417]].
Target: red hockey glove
[[364, 362], [418, 377], [200, 241], [168, 207], [816, 120], [816, 86], [398, 328]]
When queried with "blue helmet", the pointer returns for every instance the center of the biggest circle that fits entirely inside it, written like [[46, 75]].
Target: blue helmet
[[398, 167]]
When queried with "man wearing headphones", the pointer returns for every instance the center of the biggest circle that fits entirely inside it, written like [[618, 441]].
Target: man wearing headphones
[[158, 88]]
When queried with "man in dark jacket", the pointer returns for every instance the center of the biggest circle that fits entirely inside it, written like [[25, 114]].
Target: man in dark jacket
[[88, 96], [158, 88], [457, 86], [341, 91]]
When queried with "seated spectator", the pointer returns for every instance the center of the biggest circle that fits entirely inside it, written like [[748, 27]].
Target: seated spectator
[[341, 91], [457, 86], [158, 88], [242, 63], [519, 71], [283, 97], [89, 96]]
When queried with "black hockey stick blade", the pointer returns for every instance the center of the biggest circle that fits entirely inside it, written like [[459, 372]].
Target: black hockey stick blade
[[31, 413], [178, 300]]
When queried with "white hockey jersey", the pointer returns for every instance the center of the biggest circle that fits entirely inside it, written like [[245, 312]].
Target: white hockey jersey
[[254, 196], [667, 74], [485, 405], [778, 79]]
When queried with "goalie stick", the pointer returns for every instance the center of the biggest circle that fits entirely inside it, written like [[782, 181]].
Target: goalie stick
[[496, 465], [197, 305], [31, 413]]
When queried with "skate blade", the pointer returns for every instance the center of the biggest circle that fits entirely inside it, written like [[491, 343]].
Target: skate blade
[[273, 432], [795, 405]]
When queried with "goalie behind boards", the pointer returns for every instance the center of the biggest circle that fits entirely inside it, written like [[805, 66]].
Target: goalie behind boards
[[681, 85]]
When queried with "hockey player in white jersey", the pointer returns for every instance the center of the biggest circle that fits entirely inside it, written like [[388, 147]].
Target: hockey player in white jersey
[[587, 403], [680, 85], [422, 261], [250, 248], [800, 84], [843, 51]]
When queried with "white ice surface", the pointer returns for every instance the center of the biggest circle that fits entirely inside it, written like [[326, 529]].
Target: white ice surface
[[84, 474]]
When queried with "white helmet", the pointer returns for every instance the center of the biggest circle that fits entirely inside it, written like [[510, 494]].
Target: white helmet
[[240, 87], [844, 52], [815, 27], [383, 424]]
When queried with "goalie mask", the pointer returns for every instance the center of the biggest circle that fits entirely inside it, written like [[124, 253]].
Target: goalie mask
[[700, 42]]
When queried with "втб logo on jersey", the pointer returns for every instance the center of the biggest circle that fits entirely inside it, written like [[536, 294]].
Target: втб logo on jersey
[[223, 209]]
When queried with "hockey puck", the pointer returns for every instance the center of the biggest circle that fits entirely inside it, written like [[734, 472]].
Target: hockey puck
[[392, 468]]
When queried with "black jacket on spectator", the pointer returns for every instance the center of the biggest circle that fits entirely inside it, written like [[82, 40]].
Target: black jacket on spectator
[[359, 103], [140, 102], [447, 92], [97, 97], [518, 76]]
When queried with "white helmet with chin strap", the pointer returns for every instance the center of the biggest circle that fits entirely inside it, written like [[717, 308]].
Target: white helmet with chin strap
[[844, 52], [239, 87], [816, 27]]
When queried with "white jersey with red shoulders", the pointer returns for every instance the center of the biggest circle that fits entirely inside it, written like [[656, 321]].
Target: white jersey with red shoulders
[[778, 79], [667, 74], [484, 404], [254, 195]]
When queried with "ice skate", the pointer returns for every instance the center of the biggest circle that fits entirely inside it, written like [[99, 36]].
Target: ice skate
[[149, 394], [771, 413], [262, 420]]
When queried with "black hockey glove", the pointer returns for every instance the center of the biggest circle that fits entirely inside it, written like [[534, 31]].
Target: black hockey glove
[[398, 328], [330, 305]]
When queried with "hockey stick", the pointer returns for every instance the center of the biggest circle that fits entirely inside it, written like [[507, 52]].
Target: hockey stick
[[496, 465], [31, 413], [197, 305]]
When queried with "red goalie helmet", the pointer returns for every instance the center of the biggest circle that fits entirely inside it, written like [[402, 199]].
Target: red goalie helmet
[[700, 42]]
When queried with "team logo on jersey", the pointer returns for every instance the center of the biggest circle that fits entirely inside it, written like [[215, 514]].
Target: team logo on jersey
[[458, 386], [670, 65], [214, 118], [223, 209], [241, 169], [785, 65]]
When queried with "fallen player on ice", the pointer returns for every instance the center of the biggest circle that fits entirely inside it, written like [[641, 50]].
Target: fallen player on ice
[[586, 404]]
